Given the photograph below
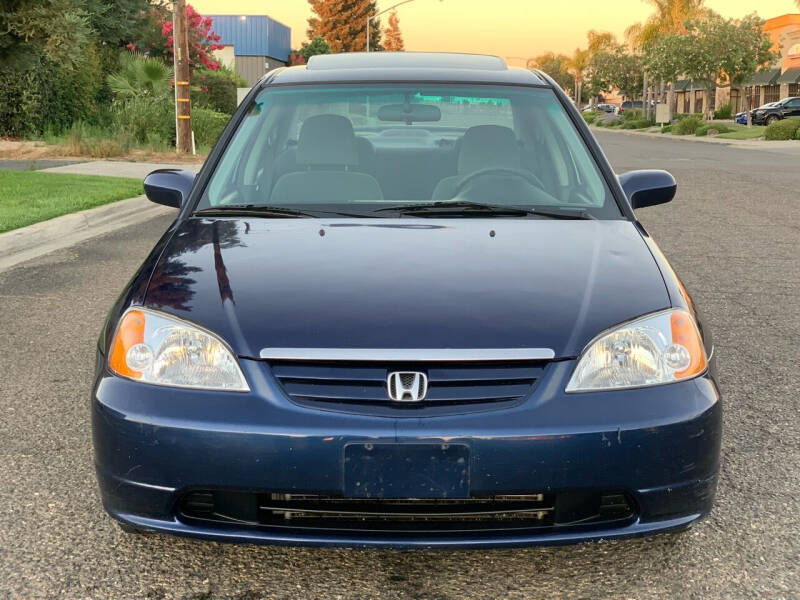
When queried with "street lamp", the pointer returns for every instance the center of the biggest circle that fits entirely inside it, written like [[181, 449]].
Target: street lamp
[[376, 15]]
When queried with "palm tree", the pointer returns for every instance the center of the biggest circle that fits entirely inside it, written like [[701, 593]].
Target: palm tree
[[141, 76], [670, 16], [577, 65], [602, 41]]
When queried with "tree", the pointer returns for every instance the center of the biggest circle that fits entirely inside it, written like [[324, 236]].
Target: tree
[[117, 22], [615, 68], [141, 76], [577, 65], [664, 58], [158, 41], [343, 24], [393, 37], [600, 41], [713, 51], [555, 65], [316, 46], [670, 17], [55, 29]]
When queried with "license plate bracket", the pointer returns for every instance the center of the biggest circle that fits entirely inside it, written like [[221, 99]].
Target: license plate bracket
[[406, 471]]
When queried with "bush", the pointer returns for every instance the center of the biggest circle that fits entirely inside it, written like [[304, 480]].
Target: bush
[[797, 134], [687, 125], [141, 118], [636, 124], [589, 117], [785, 129], [217, 89], [666, 129], [632, 115], [706, 127], [44, 95], [724, 112], [208, 125]]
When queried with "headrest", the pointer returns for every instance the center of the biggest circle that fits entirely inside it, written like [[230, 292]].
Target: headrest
[[327, 140], [487, 146]]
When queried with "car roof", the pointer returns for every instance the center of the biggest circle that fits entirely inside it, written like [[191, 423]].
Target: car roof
[[406, 66]]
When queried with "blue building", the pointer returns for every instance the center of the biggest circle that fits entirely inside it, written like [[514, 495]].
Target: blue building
[[254, 44]]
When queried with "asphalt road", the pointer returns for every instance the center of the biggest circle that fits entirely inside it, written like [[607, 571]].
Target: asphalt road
[[733, 234]]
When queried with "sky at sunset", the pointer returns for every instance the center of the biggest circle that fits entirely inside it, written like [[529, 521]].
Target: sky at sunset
[[509, 28]]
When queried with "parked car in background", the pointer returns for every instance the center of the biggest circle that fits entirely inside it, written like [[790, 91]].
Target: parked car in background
[[406, 303], [608, 108], [630, 104], [769, 113], [741, 117]]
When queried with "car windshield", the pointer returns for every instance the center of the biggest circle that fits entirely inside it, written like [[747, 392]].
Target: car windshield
[[365, 149]]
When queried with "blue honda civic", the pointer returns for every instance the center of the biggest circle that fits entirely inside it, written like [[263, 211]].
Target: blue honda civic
[[406, 303]]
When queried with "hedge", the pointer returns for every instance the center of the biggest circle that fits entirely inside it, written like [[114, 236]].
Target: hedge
[[636, 124], [216, 90], [208, 125], [784, 129], [45, 96]]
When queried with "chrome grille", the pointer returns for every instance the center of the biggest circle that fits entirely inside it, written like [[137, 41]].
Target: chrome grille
[[448, 383]]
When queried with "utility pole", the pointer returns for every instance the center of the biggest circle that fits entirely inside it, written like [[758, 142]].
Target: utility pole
[[183, 103]]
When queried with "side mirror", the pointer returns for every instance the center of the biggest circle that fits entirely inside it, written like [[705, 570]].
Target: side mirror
[[169, 187], [648, 188]]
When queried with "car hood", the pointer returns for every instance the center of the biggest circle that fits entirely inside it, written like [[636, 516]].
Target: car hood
[[406, 283]]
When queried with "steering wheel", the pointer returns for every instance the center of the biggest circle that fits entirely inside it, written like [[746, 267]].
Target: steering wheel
[[521, 173]]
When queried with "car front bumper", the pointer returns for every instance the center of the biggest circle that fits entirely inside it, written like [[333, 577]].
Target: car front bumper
[[659, 446]]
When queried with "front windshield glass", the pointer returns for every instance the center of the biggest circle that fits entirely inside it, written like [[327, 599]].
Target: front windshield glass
[[363, 148]]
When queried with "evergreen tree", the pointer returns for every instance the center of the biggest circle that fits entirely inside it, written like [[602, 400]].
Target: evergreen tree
[[316, 46], [343, 23], [393, 37]]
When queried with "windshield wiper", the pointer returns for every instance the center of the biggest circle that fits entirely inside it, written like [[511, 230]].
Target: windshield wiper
[[465, 207], [266, 210]]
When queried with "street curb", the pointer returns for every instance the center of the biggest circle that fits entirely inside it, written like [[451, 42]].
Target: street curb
[[754, 144], [675, 138], [42, 238]]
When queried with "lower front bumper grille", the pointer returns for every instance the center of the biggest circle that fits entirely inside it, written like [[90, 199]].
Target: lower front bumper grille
[[412, 515]]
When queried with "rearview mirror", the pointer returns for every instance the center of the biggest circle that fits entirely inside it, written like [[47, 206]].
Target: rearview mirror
[[409, 113], [169, 187], [648, 188]]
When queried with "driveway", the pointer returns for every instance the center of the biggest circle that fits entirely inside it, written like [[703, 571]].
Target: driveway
[[733, 234]]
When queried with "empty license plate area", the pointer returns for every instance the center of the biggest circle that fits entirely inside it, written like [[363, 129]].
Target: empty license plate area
[[406, 471]]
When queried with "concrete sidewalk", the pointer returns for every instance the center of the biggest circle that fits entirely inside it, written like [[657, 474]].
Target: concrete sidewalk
[[119, 168]]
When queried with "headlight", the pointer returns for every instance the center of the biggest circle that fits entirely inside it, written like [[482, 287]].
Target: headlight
[[155, 348], [661, 348]]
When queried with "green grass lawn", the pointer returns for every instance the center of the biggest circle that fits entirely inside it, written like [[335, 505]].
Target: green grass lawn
[[27, 197], [742, 132]]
